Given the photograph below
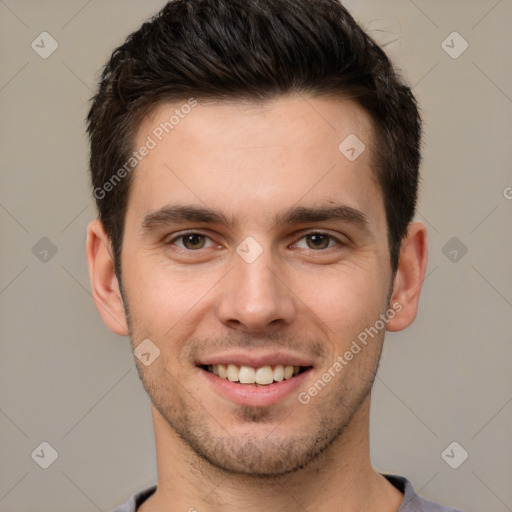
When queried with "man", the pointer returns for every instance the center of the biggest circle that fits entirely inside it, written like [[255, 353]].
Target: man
[[255, 166]]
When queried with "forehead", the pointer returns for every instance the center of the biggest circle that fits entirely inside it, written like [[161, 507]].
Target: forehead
[[293, 122], [248, 158]]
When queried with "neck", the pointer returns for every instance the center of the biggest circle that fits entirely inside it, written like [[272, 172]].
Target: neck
[[340, 479]]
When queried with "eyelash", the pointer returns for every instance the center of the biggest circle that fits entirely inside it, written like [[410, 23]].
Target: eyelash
[[322, 233]]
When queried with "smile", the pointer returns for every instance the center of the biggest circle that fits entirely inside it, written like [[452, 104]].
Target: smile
[[263, 375], [255, 385]]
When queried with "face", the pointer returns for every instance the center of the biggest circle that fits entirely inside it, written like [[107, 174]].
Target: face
[[251, 240]]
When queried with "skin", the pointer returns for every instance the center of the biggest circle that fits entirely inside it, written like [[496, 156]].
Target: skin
[[252, 162]]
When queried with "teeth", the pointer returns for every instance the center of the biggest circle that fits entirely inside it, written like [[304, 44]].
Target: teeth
[[221, 369], [247, 375], [288, 372], [264, 375], [232, 373], [279, 373]]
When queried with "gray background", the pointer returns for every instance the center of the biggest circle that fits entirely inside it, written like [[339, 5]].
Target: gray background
[[65, 379]]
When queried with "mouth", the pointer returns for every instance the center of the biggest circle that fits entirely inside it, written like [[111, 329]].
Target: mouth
[[258, 379], [254, 376]]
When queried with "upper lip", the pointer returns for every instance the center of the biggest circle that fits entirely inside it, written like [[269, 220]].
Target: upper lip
[[255, 360]]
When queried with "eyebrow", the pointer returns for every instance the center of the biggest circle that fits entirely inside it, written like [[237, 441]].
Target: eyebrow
[[297, 215]]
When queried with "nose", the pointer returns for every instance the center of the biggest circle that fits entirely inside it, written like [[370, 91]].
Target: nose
[[254, 297]]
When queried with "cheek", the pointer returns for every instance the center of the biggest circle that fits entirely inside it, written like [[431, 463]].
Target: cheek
[[162, 298], [344, 302]]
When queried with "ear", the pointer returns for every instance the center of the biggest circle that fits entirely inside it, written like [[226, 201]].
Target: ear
[[104, 285], [409, 277]]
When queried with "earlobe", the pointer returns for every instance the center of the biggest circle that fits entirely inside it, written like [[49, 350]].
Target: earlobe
[[104, 284], [409, 277]]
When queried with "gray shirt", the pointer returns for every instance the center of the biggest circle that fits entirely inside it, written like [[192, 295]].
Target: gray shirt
[[411, 502]]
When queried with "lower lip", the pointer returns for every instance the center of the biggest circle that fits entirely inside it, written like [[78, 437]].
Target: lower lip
[[255, 396]]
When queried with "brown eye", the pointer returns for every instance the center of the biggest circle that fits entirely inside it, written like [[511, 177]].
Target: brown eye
[[318, 241], [193, 241]]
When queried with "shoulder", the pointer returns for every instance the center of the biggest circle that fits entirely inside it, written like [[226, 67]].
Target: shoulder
[[136, 500], [412, 501]]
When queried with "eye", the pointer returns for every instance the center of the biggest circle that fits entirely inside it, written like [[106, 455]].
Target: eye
[[191, 241], [318, 241]]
